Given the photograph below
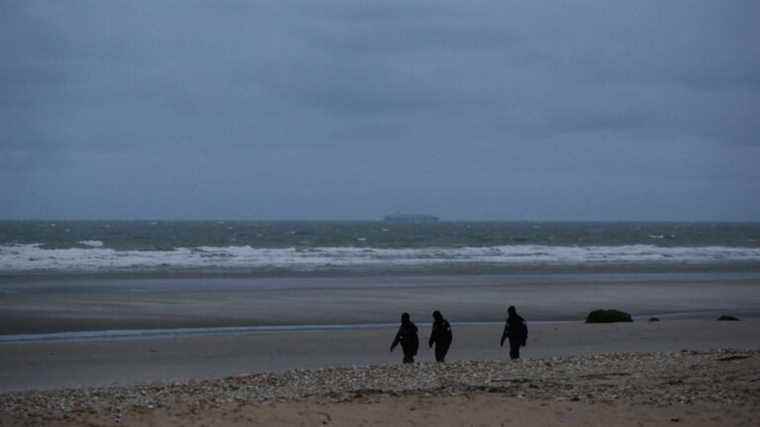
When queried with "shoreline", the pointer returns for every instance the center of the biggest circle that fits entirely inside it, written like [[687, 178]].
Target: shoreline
[[82, 364], [700, 388], [108, 335], [72, 305], [463, 269]]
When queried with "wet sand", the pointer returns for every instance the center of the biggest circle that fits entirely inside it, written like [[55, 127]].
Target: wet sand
[[54, 305], [49, 365], [554, 305]]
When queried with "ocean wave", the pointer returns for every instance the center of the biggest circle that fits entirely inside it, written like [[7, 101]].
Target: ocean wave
[[33, 257]]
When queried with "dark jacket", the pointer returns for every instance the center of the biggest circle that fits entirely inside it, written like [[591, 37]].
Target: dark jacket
[[407, 336], [515, 329], [441, 334]]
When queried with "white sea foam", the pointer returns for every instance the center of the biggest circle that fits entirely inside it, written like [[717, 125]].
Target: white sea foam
[[91, 243], [95, 258]]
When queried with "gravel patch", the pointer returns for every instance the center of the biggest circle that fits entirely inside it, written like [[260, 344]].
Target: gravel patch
[[720, 377]]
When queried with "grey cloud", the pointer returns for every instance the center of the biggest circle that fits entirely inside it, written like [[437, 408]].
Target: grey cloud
[[615, 120], [418, 37], [385, 131], [346, 109]]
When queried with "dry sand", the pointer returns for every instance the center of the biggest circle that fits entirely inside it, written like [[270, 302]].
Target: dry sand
[[690, 388]]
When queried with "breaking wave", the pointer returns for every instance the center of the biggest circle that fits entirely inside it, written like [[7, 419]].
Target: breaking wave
[[96, 258]]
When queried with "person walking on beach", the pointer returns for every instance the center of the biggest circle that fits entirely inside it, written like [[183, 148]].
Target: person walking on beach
[[407, 336], [517, 332], [441, 336]]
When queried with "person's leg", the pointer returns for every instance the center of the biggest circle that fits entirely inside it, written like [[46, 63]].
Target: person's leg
[[439, 354], [408, 358], [514, 350]]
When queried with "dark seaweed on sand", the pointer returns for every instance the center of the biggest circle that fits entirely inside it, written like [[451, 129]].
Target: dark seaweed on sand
[[608, 316]]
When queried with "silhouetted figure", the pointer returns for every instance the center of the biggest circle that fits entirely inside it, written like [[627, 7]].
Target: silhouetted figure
[[517, 332], [407, 336], [440, 336]]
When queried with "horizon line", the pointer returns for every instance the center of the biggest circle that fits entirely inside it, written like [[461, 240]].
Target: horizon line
[[379, 220]]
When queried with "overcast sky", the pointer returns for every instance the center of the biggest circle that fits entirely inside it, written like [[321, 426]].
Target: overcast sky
[[544, 110]]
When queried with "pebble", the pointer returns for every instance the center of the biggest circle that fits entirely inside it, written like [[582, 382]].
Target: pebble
[[655, 379]]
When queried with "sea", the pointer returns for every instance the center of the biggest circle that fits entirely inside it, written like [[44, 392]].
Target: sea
[[303, 247]]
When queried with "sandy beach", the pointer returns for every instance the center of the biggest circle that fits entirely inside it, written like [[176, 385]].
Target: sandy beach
[[38, 305], [50, 365], [692, 388], [338, 330]]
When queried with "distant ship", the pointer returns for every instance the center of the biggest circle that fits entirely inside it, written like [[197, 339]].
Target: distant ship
[[399, 218]]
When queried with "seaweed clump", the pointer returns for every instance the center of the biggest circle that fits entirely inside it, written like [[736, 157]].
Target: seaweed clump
[[608, 316]]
